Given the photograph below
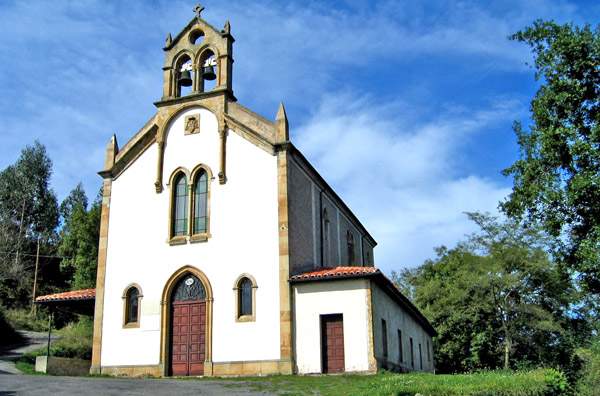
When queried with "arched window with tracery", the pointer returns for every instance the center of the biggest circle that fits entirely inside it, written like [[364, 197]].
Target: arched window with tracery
[[200, 202], [131, 301], [180, 206]]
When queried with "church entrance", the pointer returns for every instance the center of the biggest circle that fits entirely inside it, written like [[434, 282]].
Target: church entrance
[[188, 327]]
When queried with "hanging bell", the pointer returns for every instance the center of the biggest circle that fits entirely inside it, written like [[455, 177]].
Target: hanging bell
[[208, 73], [185, 79]]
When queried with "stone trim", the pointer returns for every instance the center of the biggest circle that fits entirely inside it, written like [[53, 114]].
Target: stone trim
[[136, 324], [166, 318], [285, 306], [250, 367], [100, 278], [218, 369], [370, 324], [236, 298], [153, 370]]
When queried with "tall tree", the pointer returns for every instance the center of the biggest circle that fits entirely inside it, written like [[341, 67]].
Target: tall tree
[[497, 300], [28, 212], [557, 177], [79, 238]]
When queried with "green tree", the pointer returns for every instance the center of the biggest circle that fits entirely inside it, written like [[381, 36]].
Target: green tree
[[557, 177], [79, 238], [497, 300], [28, 212]]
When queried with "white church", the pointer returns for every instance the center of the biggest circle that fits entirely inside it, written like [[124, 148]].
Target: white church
[[224, 252]]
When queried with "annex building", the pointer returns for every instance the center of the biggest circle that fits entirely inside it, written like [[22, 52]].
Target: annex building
[[224, 252]]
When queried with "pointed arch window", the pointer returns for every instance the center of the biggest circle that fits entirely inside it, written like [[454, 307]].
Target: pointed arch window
[[131, 301], [326, 241], [245, 295], [200, 223], [180, 205]]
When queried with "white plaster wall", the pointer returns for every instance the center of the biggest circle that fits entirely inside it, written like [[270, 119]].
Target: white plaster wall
[[398, 318], [348, 298], [244, 229]]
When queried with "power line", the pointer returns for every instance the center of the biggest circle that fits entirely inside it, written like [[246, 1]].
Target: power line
[[33, 255]]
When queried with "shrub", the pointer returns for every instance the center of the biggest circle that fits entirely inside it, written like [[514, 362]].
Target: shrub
[[23, 320], [589, 383], [556, 383], [9, 334]]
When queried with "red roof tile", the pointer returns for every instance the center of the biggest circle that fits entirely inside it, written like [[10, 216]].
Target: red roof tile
[[85, 294], [337, 272]]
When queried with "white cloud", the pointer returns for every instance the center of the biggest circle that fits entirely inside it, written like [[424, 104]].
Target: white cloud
[[399, 175]]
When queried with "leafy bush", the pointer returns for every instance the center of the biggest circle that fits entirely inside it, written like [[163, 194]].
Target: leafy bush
[[589, 383], [556, 381], [23, 320], [75, 341], [9, 334]]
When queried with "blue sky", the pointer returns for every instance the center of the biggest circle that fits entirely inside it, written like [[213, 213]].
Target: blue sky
[[405, 107]]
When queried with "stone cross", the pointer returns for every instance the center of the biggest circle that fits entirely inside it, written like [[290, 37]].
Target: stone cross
[[198, 9]]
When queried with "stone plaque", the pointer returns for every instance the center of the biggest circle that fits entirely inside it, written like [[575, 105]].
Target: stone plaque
[[191, 124]]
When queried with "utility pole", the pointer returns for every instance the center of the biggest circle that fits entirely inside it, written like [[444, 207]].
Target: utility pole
[[35, 275]]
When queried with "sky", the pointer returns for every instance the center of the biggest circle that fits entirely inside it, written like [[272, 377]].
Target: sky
[[404, 107]]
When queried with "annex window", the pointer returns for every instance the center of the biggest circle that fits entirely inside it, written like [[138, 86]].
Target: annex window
[[131, 300], [400, 351], [180, 206], [420, 357], [412, 353], [350, 246], [384, 339], [245, 290], [326, 245], [201, 202]]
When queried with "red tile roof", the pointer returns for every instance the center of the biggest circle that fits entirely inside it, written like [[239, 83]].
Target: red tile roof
[[85, 294], [335, 273]]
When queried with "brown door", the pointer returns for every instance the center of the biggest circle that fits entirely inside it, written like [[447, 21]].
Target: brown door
[[188, 347], [332, 341], [188, 325]]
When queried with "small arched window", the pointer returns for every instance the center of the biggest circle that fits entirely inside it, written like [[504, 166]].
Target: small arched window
[[180, 206], [245, 289], [200, 203], [131, 299], [350, 243]]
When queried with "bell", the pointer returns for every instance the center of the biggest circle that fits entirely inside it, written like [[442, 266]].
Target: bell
[[185, 78], [208, 73]]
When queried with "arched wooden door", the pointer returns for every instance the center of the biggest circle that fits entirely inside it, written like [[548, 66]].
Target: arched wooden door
[[188, 327]]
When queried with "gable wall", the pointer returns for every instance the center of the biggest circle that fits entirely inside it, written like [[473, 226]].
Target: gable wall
[[244, 239]]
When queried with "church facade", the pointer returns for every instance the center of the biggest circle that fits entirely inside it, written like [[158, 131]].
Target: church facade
[[224, 252]]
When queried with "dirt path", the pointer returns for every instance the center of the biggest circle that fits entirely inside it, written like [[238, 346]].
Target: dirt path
[[32, 340]]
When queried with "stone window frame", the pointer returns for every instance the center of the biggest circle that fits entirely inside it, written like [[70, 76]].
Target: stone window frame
[[126, 323], [202, 236], [191, 178], [236, 297]]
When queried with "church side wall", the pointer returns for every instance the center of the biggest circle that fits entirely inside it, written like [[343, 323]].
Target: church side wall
[[346, 297], [243, 239], [309, 247], [397, 318]]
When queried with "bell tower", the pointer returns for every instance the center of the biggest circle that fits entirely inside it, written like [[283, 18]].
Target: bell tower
[[198, 61]]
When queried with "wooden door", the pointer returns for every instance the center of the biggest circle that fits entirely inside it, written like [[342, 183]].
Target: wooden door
[[332, 341], [188, 327], [187, 338]]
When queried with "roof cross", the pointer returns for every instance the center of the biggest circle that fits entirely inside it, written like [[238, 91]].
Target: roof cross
[[198, 9]]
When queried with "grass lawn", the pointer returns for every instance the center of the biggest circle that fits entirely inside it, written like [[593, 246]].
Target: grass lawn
[[488, 383]]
